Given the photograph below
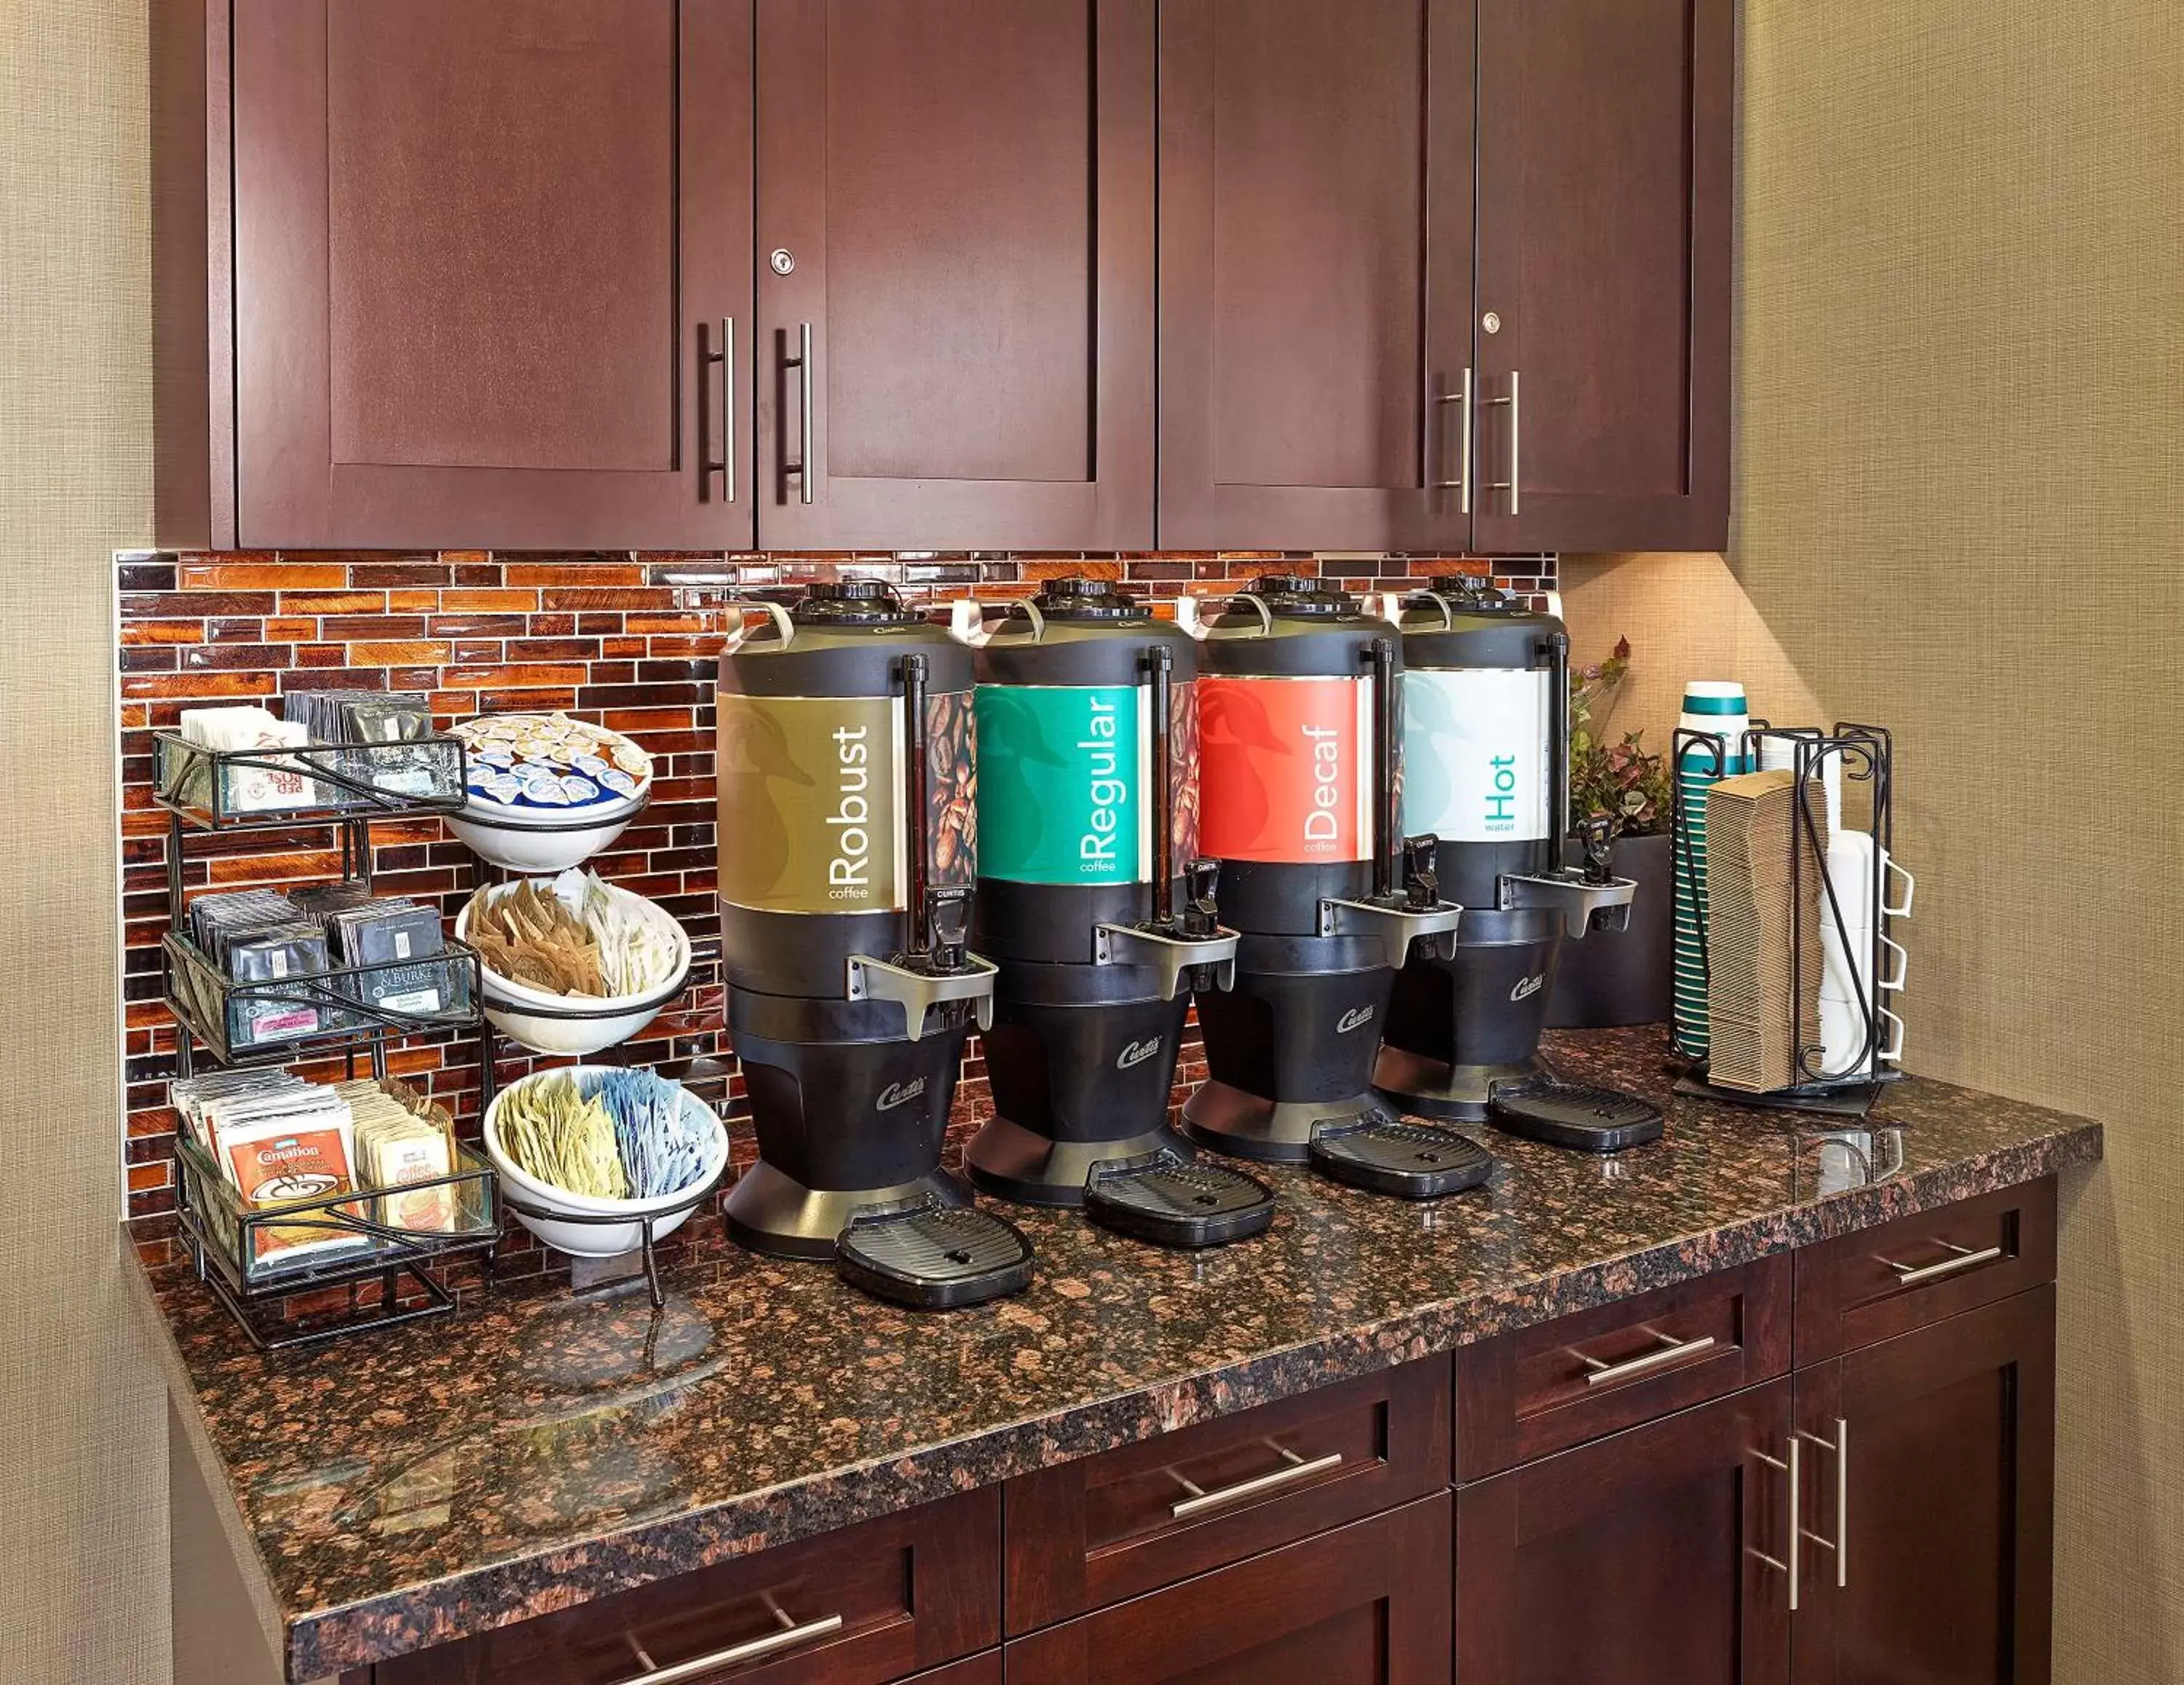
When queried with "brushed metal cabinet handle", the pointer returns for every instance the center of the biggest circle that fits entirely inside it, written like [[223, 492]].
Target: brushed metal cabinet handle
[[1461, 485], [1294, 1468], [1911, 1275], [1839, 1448], [1673, 1351], [1516, 442], [1797, 1522], [751, 1649], [725, 465], [801, 362]]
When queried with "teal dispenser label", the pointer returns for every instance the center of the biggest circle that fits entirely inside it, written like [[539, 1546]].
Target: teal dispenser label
[[1062, 783]]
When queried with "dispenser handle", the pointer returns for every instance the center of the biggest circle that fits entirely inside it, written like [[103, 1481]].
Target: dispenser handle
[[780, 617], [916, 749], [1005, 608], [1559, 749], [1387, 822], [1266, 617], [1160, 664]]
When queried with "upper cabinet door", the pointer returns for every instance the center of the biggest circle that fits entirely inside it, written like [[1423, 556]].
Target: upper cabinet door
[[1606, 146], [484, 258], [956, 216], [1315, 272]]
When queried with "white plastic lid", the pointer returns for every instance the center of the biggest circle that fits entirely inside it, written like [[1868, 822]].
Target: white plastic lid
[[1715, 688]]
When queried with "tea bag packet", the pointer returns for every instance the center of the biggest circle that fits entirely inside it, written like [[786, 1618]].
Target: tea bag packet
[[281, 783], [257, 936], [393, 936], [352, 718]]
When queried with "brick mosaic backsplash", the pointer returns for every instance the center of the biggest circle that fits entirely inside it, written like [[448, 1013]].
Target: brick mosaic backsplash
[[628, 639]]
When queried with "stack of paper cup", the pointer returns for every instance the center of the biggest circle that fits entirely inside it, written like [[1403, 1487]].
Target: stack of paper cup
[[1715, 706]]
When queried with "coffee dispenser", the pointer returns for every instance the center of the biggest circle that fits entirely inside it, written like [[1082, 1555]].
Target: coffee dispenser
[[1486, 770], [1300, 736], [847, 840], [1100, 919]]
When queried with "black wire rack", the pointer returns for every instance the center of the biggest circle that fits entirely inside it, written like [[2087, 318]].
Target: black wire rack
[[238, 1248], [348, 788], [1863, 757]]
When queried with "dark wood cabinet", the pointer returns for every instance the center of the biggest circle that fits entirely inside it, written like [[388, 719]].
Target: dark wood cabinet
[[874, 1603], [1659, 1556], [1315, 242], [1929, 1463], [1091, 1532], [956, 213], [1334, 371], [1705, 1514], [1606, 163], [1365, 1604], [1523, 1395], [484, 259]]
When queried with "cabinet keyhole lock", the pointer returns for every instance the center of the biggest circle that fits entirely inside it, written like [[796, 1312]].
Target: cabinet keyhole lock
[[784, 261], [1492, 321]]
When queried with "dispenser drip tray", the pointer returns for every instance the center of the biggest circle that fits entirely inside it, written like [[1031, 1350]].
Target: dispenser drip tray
[[1387, 1155], [933, 1256], [1171, 1201], [1560, 1113]]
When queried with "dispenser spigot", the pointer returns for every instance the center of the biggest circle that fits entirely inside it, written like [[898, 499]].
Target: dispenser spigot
[[1597, 836], [1421, 883], [948, 918], [1201, 913]]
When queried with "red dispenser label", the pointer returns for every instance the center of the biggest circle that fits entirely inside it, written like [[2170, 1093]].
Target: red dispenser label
[[1286, 769]]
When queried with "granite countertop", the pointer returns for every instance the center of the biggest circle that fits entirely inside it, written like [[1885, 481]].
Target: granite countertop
[[400, 1489]]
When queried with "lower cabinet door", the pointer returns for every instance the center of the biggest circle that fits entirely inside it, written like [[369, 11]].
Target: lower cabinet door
[[1364, 1604], [1928, 1466], [1660, 1556]]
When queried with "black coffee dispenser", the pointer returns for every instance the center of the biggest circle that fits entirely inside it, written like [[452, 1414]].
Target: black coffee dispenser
[[1486, 751], [847, 842], [1100, 919]]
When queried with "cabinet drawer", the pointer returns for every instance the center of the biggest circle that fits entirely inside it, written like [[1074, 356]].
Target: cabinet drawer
[[1092, 1532], [1881, 1283], [1365, 1604], [1523, 1394], [871, 1604]]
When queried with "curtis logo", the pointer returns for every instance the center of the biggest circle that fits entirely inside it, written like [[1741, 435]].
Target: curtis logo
[[899, 1094], [1137, 1053], [1351, 1019], [1529, 986]]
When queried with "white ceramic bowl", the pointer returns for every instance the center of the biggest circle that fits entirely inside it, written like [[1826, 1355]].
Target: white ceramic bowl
[[595, 1240], [515, 837], [613, 1018]]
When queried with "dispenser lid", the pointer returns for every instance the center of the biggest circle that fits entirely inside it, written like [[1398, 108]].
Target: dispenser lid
[[852, 601], [1076, 597], [1288, 596], [1472, 595]]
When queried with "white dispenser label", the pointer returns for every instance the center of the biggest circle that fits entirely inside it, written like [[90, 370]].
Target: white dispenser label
[[1475, 754]]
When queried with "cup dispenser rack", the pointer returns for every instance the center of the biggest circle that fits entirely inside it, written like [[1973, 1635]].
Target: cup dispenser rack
[[1861, 756]]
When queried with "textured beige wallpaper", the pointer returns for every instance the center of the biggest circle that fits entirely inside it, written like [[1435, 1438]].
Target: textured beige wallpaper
[[83, 1508], [1961, 513]]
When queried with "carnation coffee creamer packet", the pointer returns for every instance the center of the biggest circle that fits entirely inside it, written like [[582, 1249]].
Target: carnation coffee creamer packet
[[287, 1163]]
